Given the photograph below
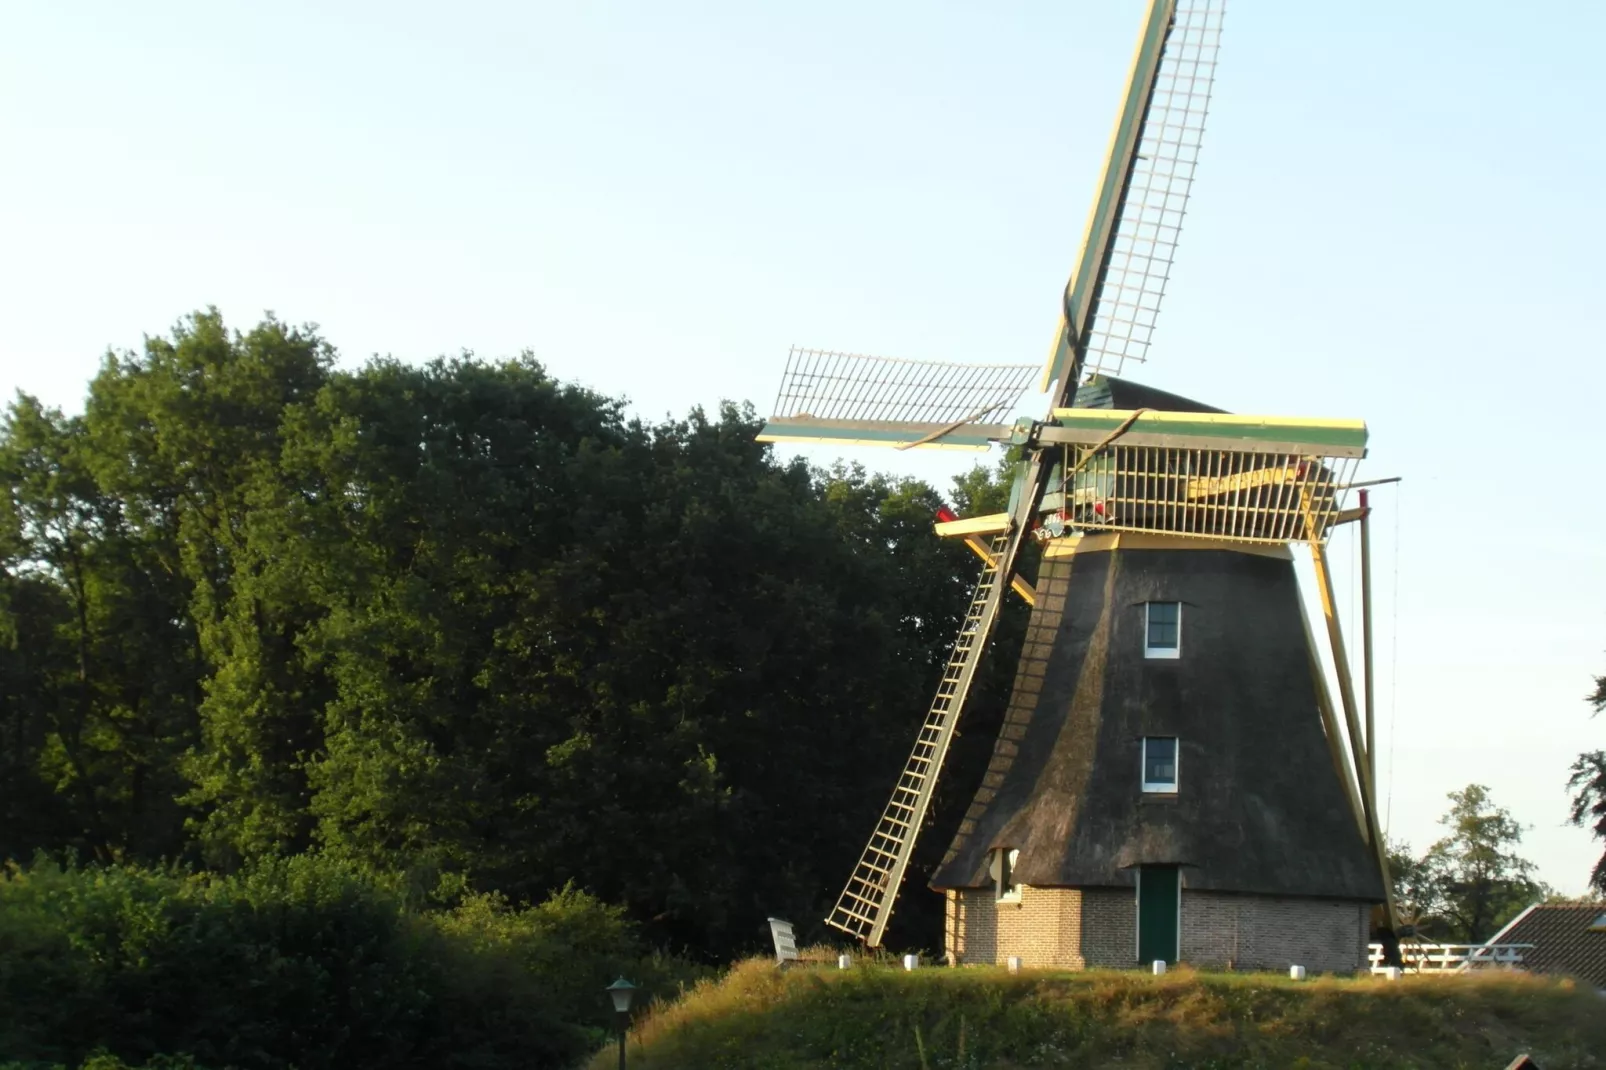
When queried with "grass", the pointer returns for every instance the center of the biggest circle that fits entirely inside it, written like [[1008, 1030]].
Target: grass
[[879, 1016]]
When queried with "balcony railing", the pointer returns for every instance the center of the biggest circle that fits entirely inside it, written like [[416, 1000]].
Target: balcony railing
[[1451, 958]]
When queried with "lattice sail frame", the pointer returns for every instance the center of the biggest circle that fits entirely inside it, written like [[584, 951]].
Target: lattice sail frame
[[1144, 246], [1235, 495], [824, 384]]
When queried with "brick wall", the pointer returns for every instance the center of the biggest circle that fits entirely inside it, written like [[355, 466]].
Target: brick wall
[[1080, 927], [1067, 927], [984, 930], [1257, 932], [1110, 926]]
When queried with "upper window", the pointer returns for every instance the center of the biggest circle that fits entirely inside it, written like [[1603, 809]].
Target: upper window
[[1162, 629], [1160, 763], [1003, 874]]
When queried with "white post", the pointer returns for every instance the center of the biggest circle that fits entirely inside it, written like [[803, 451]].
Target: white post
[[1013, 962], [1159, 967], [1393, 973], [911, 961], [844, 961], [1297, 973]]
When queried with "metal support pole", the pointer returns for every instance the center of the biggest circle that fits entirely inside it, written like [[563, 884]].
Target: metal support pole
[[1368, 684], [624, 1025]]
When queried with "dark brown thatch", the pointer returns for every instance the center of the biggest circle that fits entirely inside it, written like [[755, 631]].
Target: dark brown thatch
[[1259, 808]]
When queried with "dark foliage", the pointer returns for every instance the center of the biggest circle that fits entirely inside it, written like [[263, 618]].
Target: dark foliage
[[468, 623], [301, 962], [1588, 784]]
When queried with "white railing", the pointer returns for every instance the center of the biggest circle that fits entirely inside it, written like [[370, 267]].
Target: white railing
[[1450, 958]]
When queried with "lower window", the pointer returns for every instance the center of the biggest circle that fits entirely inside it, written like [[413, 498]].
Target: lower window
[[1160, 763]]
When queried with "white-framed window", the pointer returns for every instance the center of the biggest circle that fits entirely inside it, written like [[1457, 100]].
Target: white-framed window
[[1003, 874], [1160, 763], [1162, 629]]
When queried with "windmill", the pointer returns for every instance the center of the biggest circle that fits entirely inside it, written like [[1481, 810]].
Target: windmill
[[1172, 778]]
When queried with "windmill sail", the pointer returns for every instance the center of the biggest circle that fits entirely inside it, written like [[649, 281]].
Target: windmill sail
[[1110, 307], [1115, 292], [849, 398]]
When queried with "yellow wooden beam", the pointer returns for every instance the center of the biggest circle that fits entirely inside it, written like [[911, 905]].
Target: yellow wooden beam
[[1027, 592], [991, 524], [1359, 747], [1335, 735], [1211, 486]]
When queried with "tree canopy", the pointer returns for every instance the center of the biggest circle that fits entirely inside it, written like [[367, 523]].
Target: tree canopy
[[1471, 881], [1588, 784], [459, 620]]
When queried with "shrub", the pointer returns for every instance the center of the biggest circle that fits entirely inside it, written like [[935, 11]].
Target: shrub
[[298, 962]]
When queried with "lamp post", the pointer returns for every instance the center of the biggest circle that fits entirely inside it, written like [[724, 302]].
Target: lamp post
[[622, 992]]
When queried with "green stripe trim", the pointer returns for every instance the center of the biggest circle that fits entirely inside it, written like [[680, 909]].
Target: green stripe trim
[[1340, 434]]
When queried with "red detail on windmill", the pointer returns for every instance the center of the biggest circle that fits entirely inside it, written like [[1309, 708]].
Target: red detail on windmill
[[946, 515]]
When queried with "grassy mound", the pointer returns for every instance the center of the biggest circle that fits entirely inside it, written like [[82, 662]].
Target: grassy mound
[[881, 1017]]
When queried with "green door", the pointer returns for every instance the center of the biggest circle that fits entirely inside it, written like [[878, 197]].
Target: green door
[[1158, 892]]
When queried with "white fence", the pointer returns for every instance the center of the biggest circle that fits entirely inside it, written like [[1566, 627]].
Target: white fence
[[1451, 958]]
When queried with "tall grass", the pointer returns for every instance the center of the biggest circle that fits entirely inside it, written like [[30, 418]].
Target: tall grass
[[936, 1019]]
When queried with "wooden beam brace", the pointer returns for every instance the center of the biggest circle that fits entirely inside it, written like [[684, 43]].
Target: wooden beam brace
[[1027, 592], [1334, 734]]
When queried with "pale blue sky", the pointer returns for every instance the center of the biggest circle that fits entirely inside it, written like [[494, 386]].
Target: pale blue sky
[[1399, 216]]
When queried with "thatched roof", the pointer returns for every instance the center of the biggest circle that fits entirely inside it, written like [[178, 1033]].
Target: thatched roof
[[1108, 392], [1259, 808]]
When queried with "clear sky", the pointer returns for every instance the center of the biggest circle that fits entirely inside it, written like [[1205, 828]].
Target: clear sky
[[1399, 216]]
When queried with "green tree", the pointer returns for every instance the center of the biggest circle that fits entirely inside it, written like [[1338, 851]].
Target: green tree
[[1588, 783], [567, 647], [100, 696], [468, 622], [1471, 881]]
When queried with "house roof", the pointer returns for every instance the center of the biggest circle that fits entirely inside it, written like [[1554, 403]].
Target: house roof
[[1568, 938]]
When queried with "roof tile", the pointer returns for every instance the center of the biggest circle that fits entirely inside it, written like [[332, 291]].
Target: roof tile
[[1565, 938]]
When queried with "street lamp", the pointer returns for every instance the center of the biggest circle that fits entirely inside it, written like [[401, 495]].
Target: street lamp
[[622, 992]]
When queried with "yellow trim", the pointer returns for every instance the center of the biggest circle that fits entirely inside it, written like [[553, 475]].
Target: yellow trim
[[991, 524], [1071, 545], [1220, 419]]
